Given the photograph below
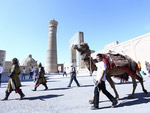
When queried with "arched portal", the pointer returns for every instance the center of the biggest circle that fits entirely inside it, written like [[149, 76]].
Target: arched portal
[[75, 57]]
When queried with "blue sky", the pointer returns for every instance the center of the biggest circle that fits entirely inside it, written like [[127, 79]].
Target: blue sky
[[24, 24]]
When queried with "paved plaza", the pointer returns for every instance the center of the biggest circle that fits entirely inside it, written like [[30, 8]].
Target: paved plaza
[[61, 99]]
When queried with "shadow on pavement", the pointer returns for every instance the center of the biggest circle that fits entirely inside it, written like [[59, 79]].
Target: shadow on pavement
[[54, 81], [122, 83], [140, 98], [24, 85], [42, 97], [59, 89], [104, 107], [87, 86]]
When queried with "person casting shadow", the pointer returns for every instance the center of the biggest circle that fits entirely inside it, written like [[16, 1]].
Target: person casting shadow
[[41, 78], [100, 84], [14, 81], [73, 76]]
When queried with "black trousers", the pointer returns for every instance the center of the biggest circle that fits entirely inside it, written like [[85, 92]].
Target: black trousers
[[0, 78], [64, 73], [23, 76], [96, 94], [75, 79], [31, 75]]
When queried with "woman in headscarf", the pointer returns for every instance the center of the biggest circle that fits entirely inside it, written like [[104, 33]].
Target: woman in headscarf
[[14, 81], [41, 78]]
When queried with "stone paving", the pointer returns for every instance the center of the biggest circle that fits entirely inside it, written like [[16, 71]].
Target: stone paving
[[61, 99]]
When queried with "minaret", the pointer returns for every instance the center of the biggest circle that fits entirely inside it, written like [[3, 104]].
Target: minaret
[[51, 55]]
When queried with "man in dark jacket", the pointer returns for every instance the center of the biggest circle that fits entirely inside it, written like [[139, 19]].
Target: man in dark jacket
[[73, 76]]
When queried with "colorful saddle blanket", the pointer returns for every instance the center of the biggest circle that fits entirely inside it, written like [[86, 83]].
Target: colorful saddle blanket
[[118, 60], [115, 60]]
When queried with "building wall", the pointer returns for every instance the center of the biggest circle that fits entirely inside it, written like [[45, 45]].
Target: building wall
[[2, 57], [7, 67]]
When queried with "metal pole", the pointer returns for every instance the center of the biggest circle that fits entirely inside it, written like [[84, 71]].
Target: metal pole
[[90, 66]]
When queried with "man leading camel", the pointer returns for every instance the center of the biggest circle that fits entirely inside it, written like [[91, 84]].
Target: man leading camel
[[101, 78]]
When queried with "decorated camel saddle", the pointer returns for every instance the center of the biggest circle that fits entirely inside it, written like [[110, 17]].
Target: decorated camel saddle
[[116, 59]]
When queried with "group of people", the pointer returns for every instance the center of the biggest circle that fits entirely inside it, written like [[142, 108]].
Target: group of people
[[147, 64], [14, 83], [148, 67], [32, 72]]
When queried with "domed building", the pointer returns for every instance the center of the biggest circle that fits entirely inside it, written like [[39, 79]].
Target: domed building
[[29, 61]]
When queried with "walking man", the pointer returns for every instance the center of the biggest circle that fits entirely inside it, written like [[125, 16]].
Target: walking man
[[23, 73], [35, 74], [101, 78], [1, 71], [64, 72], [73, 76], [31, 73]]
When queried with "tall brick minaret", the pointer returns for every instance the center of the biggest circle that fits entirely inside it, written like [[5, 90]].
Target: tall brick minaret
[[51, 55]]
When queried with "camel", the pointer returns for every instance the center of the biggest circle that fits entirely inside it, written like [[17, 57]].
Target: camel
[[131, 69]]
